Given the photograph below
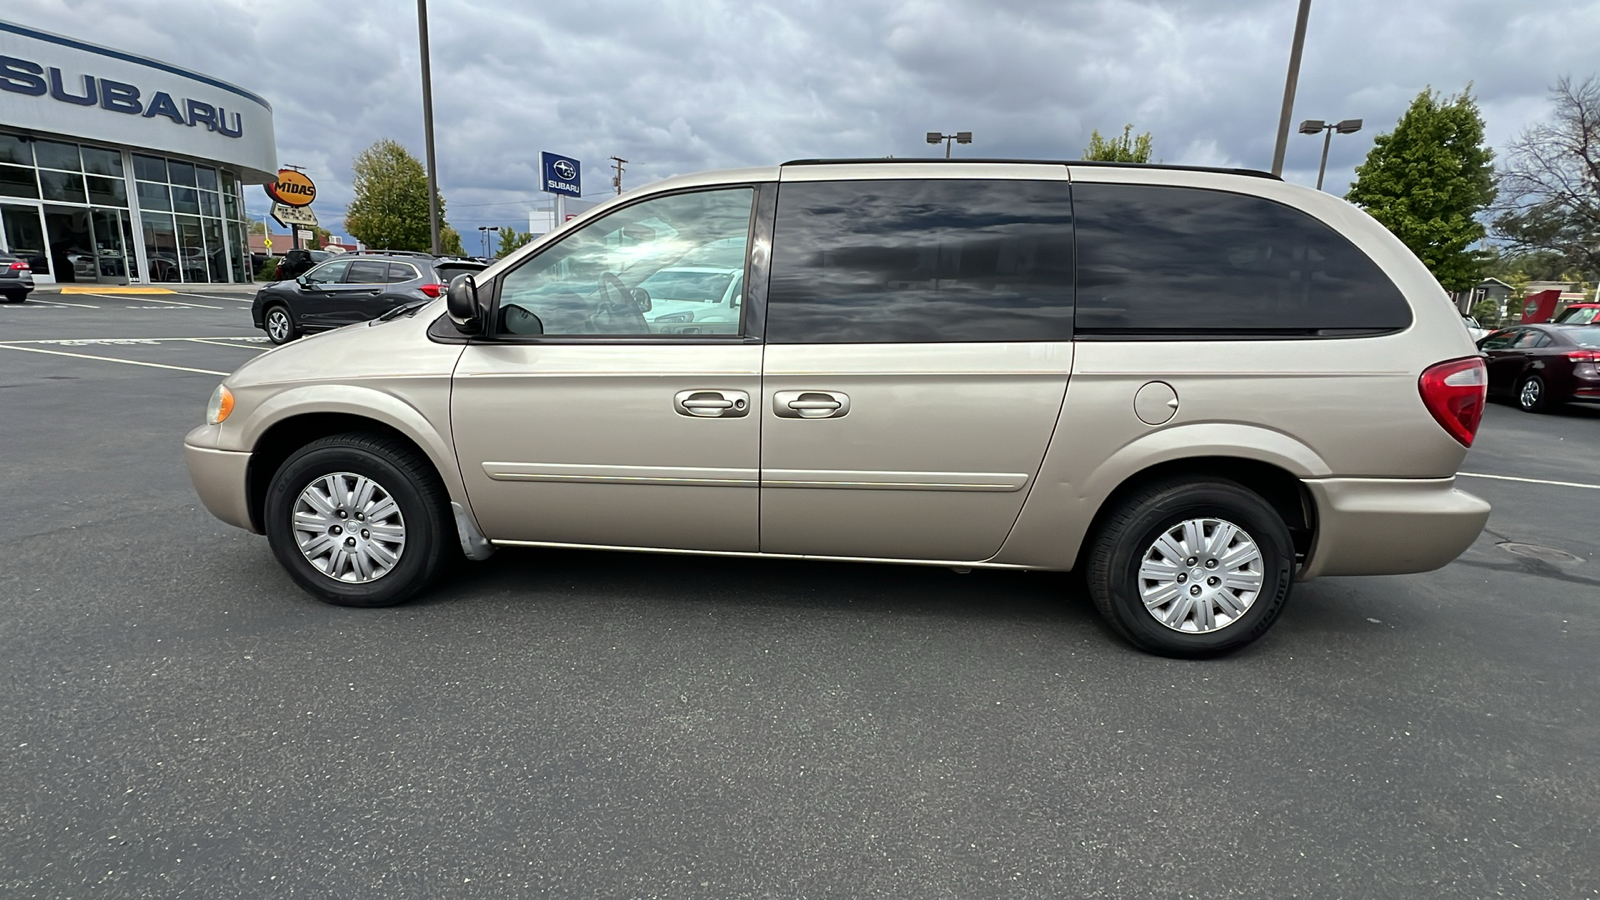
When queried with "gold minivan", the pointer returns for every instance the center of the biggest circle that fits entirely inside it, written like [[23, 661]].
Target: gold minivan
[[1197, 386]]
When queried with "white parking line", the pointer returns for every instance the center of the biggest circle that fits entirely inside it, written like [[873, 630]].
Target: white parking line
[[61, 303], [221, 344], [142, 340], [112, 359], [148, 299], [1572, 484]]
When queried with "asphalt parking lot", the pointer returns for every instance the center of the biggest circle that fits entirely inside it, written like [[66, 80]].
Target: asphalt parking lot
[[178, 720]]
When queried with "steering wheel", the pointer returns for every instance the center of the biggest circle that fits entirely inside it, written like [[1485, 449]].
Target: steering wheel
[[617, 302]]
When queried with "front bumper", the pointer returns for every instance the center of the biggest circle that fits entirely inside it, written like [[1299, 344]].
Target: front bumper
[[221, 477], [1390, 526]]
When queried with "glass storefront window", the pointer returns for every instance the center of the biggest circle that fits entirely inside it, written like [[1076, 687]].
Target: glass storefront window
[[16, 149], [55, 155], [149, 168], [15, 181], [209, 205], [216, 251], [239, 250], [182, 172], [107, 191], [191, 249], [102, 162], [64, 186], [184, 200], [207, 178], [160, 246], [230, 206], [153, 197]]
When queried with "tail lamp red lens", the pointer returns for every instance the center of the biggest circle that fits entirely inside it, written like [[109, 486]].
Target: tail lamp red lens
[[1455, 392], [1584, 356], [432, 290], [19, 266]]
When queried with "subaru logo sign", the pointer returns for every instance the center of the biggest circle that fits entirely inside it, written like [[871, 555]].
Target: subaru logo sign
[[560, 175]]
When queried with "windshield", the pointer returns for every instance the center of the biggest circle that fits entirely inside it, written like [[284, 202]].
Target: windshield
[[1581, 316], [677, 284]]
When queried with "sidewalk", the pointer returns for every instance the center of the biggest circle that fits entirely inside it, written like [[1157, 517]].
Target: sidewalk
[[48, 290]]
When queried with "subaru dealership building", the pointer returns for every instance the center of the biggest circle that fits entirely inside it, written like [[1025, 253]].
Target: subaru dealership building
[[116, 168]]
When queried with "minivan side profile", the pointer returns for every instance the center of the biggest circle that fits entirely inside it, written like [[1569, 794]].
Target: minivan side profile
[[1196, 386]]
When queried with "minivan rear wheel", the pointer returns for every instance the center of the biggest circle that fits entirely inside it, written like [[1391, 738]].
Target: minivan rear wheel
[[358, 520], [1191, 568]]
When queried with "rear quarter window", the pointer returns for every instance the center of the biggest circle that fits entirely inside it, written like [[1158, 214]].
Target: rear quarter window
[[1188, 261]]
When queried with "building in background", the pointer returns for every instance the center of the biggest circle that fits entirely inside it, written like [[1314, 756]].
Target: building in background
[[117, 168]]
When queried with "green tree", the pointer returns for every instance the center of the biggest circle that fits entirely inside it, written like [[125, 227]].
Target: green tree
[[1428, 180], [390, 207], [1128, 148], [511, 239]]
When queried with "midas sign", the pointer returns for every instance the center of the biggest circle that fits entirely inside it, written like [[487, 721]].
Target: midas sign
[[292, 188]]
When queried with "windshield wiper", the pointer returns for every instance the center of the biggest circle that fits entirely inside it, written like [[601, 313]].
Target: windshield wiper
[[408, 308]]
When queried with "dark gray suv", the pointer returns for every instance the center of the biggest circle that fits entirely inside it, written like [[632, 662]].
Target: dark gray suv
[[352, 287]]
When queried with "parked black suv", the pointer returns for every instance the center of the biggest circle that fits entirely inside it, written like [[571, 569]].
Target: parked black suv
[[352, 287]]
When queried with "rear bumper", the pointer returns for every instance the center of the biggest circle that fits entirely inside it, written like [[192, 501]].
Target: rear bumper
[[1390, 526], [221, 477]]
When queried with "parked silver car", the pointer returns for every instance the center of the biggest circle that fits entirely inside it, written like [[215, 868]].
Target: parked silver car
[[1197, 386]]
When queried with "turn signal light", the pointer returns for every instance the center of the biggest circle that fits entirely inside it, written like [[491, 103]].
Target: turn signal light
[[1456, 392], [432, 290], [220, 407]]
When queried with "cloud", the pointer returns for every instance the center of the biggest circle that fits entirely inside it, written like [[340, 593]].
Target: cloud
[[685, 85]]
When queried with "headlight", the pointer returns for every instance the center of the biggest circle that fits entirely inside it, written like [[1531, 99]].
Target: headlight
[[220, 407], [674, 318]]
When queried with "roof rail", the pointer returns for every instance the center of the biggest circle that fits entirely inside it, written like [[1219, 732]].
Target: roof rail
[[1253, 173]]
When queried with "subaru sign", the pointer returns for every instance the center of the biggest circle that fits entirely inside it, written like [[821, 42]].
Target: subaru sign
[[560, 175]]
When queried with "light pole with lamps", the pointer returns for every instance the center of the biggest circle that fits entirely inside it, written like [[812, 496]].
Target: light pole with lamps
[[1312, 126], [484, 231], [960, 137]]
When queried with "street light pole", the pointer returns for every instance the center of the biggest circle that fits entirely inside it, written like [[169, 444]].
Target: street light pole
[[960, 137], [1282, 147], [1312, 126], [427, 128]]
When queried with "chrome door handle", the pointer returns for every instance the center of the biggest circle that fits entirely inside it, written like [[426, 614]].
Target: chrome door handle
[[810, 404], [711, 404]]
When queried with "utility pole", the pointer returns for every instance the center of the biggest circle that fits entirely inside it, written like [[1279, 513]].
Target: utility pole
[[616, 180], [1289, 87], [427, 127]]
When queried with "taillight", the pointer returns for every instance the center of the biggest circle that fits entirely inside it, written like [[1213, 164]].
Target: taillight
[[1584, 356], [1455, 392], [432, 290], [19, 266]]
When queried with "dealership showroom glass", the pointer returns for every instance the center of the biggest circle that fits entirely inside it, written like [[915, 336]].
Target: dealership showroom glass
[[117, 168]]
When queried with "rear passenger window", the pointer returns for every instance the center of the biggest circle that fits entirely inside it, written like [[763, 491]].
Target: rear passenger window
[[921, 261], [366, 271], [1155, 260]]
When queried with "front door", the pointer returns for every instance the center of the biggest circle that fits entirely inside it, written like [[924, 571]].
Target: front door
[[582, 421], [316, 301], [918, 350]]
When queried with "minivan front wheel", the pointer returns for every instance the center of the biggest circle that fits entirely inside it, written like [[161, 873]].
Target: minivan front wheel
[[1191, 568], [358, 520]]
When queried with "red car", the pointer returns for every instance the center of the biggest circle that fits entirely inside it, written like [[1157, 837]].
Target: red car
[[1580, 314], [1540, 366]]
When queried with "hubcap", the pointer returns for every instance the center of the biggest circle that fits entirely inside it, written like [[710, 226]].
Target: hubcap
[[349, 527], [1530, 392], [1200, 575]]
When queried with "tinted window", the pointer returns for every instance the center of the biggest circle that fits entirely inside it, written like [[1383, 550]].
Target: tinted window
[[1499, 340], [921, 261], [367, 271], [1164, 259], [328, 273], [400, 272]]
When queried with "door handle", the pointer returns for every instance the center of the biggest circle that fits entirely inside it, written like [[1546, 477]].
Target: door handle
[[711, 404], [810, 404]]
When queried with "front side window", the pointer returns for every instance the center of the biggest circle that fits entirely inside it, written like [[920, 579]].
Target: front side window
[[598, 280], [328, 273], [921, 261], [1155, 259]]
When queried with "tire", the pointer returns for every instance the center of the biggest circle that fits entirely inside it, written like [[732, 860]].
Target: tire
[[279, 324], [1532, 394], [1226, 616], [335, 467]]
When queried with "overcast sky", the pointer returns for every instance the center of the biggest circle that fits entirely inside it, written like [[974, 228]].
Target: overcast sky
[[685, 85]]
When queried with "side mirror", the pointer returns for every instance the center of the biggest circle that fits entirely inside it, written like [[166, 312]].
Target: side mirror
[[301, 280], [461, 302], [641, 297]]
